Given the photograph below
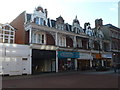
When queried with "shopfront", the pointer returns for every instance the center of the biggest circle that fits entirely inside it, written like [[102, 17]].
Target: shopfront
[[97, 60], [107, 60], [67, 60], [85, 61], [43, 61], [104, 60]]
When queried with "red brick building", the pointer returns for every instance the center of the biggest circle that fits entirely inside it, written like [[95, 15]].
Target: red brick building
[[55, 45]]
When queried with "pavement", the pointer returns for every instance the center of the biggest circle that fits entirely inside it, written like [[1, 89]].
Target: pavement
[[110, 72], [71, 79]]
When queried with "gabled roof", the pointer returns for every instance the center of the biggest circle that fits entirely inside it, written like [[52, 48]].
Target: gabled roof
[[9, 26]]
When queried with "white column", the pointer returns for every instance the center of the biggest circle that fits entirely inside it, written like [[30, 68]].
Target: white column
[[56, 38], [75, 64], [102, 63], [30, 36], [56, 43], [90, 63], [74, 42]]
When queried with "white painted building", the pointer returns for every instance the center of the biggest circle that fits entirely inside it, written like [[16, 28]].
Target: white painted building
[[15, 59]]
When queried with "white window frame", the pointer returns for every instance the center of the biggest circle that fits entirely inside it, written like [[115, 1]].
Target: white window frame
[[79, 43], [37, 38], [62, 41], [9, 38]]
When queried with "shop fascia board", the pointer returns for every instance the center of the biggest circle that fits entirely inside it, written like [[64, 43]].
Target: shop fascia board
[[113, 50], [34, 26], [67, 49], [43, 47]]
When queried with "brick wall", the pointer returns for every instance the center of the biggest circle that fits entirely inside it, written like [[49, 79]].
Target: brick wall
[[49, 39], [20, 33]]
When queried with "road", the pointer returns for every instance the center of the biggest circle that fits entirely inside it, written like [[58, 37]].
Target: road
[[64, 80]]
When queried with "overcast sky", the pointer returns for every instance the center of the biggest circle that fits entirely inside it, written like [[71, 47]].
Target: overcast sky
[[86, 10]]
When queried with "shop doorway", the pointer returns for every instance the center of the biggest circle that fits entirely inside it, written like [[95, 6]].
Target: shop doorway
[[43, 61], [66, 64], [83, 64]]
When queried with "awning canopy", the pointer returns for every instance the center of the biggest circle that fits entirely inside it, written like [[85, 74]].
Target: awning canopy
[[106, 55], [87, 56]]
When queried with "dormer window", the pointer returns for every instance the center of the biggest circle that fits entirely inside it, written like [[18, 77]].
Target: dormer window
[[41, 21], [76, 26], [37, 20]]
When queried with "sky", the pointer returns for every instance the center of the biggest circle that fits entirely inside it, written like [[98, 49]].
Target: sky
[[86, 10]]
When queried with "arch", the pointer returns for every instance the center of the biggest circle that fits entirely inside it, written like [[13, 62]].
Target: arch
[[50, 39], [69, 41]]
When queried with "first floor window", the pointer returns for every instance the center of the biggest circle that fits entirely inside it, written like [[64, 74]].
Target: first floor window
[[62, 41], [39, 38], [43, 38]]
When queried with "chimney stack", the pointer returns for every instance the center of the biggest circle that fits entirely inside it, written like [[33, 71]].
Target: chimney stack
[[46, 12], [98, 22]]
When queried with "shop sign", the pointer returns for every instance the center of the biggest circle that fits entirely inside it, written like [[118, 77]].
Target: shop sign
[[62, 54], [98, 56], [107, 55], [86, 56]]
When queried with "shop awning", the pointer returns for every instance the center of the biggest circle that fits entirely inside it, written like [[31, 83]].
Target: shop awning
[[86, 56], [106, 55]]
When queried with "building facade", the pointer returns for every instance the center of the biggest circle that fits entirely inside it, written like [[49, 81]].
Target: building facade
[[15, 59], [59, 46], [113, 34]]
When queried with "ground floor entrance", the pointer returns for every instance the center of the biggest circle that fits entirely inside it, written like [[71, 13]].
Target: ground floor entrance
[[67, 60], [43, 61], [84, 64], [66, 64]]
